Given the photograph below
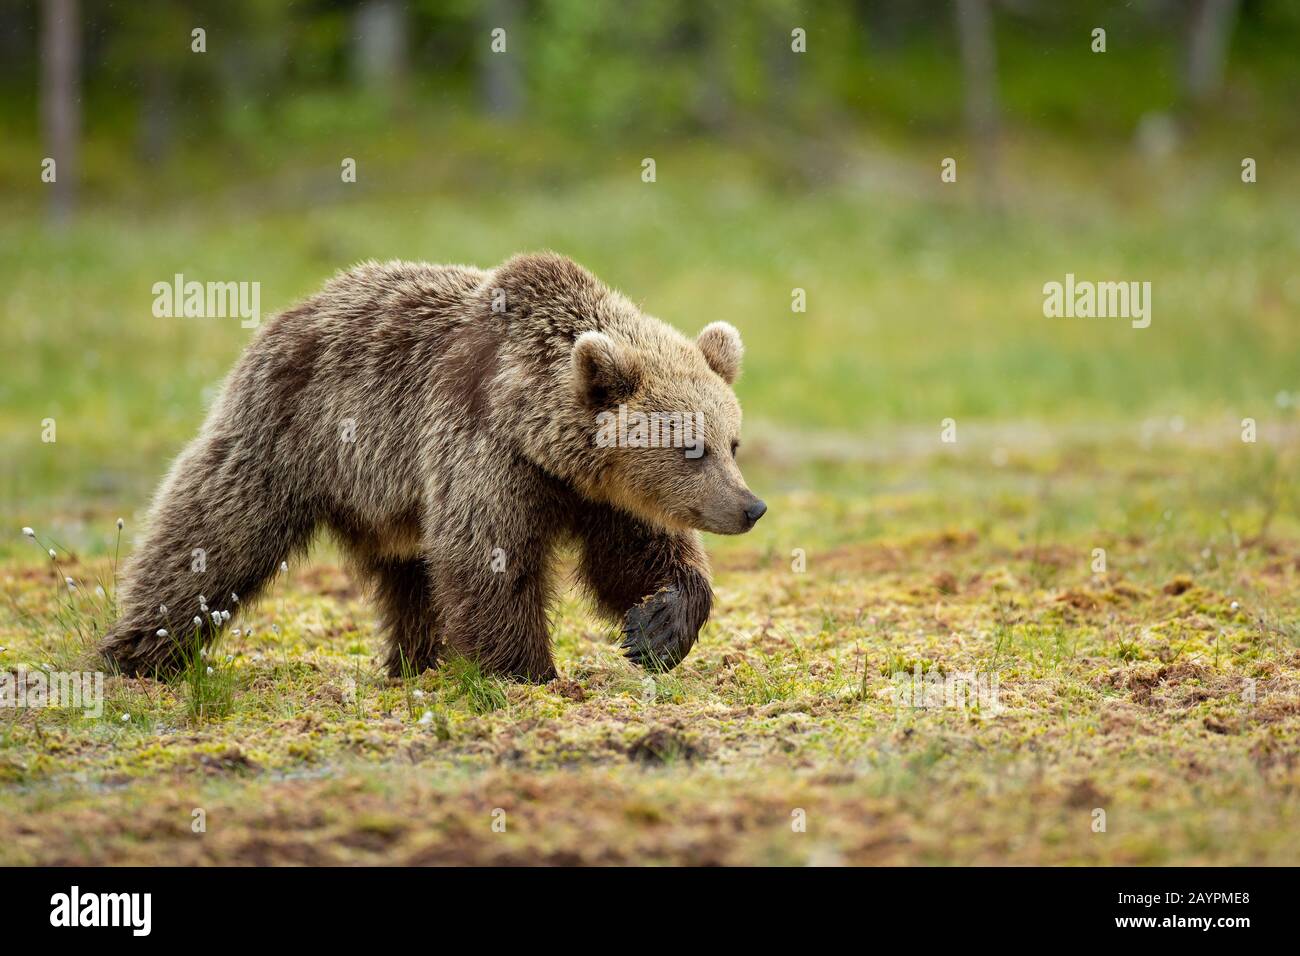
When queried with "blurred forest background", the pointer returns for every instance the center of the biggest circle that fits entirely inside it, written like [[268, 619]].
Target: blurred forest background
[[777, 169]]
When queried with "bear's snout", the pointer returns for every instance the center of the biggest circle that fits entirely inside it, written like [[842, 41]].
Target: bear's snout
[[755, 511]]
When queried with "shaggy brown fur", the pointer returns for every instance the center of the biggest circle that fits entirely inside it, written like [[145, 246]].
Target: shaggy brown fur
[[473, 455]]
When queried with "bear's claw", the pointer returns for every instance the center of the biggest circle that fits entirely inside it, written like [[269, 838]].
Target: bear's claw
[[656, 632]]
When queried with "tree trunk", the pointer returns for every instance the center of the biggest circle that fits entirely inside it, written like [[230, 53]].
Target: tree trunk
[[713, 103], [379, 47], [979, 81], [1209, 30], [61, 101], [156, 115], [499, 73]]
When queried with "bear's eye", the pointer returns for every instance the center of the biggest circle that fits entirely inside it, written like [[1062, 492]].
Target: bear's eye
[[734, 445]]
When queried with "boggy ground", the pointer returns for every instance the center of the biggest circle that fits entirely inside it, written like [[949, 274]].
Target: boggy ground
[[1144, 714]]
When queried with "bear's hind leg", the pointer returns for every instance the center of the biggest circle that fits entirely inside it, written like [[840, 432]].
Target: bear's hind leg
[[403, 592], [215, 536]]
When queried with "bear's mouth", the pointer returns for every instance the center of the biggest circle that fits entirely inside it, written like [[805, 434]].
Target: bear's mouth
[[701, 522]]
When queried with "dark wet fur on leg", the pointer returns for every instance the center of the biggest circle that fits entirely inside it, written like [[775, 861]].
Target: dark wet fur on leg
[[659, 632]]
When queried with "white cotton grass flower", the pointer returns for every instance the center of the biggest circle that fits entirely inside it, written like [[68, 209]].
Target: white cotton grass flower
[[198, 621], [202, 599], [162, 632], [203, 653], [71, 583], [426, 717], [1235, 605], [418, 694], [211, 671], [162, 608], [235, 632], [52, 554], [29, 533], [126, 718], [284, 567], [120, 524], [99, 590], [234, 598]]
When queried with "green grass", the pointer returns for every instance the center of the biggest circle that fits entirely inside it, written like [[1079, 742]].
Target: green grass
[[921, 306], [209, 679], [1123, 689], [1164, 691]]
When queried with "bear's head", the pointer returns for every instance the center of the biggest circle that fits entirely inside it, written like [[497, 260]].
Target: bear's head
[[667, 424]]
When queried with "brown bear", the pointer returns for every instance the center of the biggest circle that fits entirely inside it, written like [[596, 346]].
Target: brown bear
[[451, 426]]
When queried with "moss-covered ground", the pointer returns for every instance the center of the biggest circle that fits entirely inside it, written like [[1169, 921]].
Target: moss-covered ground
[[1147, 713]]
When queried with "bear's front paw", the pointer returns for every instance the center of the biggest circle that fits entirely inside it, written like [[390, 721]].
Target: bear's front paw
[[658, 632]]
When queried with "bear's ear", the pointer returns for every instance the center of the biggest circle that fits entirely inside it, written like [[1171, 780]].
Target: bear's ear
[[603, 373], [722, 348]]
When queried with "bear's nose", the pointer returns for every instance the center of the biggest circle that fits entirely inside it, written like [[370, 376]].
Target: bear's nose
[[755, 511]]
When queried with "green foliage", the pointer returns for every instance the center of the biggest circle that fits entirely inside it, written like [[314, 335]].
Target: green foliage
[[210, 681], [466, 680], [646, 71]]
